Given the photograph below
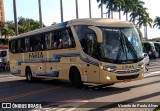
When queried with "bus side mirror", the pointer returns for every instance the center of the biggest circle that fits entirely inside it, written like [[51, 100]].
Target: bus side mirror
[[98, 33]]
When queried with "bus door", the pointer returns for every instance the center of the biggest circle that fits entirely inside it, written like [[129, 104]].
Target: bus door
[[91, 73], [92, 67]]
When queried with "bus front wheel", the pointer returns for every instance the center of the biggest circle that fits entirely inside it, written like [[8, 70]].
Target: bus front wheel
[[75, 78], [29, 76]]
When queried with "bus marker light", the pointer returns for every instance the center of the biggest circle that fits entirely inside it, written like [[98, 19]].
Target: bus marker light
[[85, 72]]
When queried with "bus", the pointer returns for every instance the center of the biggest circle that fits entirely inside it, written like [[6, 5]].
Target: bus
[[150, 49], [4, 55], [95, 50]]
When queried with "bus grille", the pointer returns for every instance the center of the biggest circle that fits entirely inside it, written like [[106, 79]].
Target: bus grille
[[127, 77], [127, 71]]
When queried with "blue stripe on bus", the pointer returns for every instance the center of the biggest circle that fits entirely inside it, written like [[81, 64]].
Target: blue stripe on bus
[[16, 72], [56, 58], [50, 74], [63, 24]]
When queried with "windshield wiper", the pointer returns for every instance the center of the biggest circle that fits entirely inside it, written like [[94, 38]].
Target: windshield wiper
[[124, 44], [129, 45], [123, 47]]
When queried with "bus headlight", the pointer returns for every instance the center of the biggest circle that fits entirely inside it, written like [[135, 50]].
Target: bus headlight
[[142, 66], [108, 78]]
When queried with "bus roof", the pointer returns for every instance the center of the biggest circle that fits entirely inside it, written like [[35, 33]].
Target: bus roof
[[89, 21], [102, 22]]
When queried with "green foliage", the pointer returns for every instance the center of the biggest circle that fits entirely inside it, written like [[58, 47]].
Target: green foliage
[[157, 22], [1, 24], [54, 23], [7, 32], [26, 24], [135, 7]]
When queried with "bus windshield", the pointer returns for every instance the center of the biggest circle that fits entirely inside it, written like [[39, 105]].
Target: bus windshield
[[121, 45]]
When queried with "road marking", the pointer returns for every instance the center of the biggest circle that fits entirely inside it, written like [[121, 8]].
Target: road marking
[[152, 73], [27, 94], [65, 105]]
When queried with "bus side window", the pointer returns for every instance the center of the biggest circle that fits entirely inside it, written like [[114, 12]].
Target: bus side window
[[37, 42], [55, 40], [12, 46], [67, 38], [27, 44], [91, 44], [63, 41], [72, 43], [18, 46], [47, 40], [23, 45]]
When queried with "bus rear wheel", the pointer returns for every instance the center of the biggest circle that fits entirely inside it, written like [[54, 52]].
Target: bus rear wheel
[[75, 78], [29, 76]]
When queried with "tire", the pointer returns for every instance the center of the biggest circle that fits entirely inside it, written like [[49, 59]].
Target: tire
[[76, 79], [29, 76]]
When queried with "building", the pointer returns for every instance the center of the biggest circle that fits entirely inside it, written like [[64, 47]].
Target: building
[[2, 18]]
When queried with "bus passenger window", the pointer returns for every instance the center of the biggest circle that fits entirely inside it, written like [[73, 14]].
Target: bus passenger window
[[67, 38], [55, 39], [12, 46], [47, 40], [27, 44], [88, 40], [37, 43], [18, 46], [60, 44], [91, 44]]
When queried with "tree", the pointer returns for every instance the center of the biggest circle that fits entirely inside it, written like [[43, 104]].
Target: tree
[[15, 17], [54, 23], [157, 22], [137, 6], [127, 7], [111, 5], [1, 27], [145, 20], [7, 32], [26, 24]]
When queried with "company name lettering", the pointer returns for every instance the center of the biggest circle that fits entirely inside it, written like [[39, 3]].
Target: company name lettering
[[36, 55]]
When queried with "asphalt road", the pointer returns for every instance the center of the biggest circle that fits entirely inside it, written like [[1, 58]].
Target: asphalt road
[[56, 95]]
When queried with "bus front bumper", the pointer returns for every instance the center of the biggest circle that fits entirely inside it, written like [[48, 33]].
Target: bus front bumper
[[110, 77]]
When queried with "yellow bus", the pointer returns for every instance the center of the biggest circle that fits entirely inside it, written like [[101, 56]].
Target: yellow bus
[[100, 51]]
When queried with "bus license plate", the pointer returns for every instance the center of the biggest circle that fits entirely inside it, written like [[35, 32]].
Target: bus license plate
[[127, 80]]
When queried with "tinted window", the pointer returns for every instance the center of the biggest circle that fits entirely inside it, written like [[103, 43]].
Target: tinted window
[[3, 53], [87, 38], [27, 44], [13, 46], [19, 46], [66, 40], [37, 43], [48, 37]]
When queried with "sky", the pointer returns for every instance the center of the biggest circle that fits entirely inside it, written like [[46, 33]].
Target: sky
[[51, 11]]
